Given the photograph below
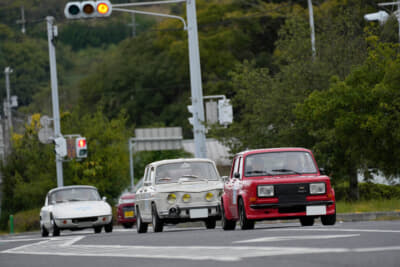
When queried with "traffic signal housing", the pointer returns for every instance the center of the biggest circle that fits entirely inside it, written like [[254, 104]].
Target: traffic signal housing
[[60, 146], [81, 147], [87, 9]]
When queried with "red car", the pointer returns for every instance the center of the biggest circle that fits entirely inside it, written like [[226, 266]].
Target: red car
[[126, 210], [278, 183]]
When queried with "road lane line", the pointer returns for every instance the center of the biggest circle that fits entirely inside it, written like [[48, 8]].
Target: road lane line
[[289, 238]]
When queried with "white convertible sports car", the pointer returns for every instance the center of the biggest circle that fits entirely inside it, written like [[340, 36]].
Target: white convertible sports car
[[179, 190], [74, 208]]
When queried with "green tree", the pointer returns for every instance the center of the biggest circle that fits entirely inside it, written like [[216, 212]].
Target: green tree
[[355, 124]]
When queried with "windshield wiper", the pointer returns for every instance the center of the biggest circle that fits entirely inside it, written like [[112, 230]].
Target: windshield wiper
[[286, 170], [194, 176], [258, 172], [74, 199]]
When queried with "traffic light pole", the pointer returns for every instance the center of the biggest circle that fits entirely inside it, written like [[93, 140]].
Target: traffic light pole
[[195, 82], [51, 34]]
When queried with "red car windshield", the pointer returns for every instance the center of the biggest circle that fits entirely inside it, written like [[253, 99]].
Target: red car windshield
[[278, 163]]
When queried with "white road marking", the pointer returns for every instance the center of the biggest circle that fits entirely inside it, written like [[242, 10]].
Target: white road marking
[[65, 246], [288, 238], [334, 229]]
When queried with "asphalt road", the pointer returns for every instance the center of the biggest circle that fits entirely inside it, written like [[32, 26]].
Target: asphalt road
[[279, 244]]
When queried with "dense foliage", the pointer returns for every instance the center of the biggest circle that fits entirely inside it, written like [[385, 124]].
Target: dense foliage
[[342, 103]]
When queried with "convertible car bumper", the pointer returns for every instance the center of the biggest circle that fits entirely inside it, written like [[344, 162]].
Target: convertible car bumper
[[83, 222]]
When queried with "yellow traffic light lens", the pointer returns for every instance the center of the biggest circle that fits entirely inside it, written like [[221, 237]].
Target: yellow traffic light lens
[[209, 196], [186, 198], [102, 8], [88, 9], [171, 198]]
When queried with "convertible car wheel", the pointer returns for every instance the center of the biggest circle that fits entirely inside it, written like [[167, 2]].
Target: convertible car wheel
[[56, 230], [44, 231], [108, 227], [97, 229]]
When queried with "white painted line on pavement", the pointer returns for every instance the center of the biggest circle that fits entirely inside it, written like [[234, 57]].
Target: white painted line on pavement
[[289, 238], [333, 229]]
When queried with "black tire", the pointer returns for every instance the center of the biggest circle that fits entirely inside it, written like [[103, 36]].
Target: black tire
[[158, 224], [97, 229], [44, 231], [245, 224], [108, 227], [56, 230], [328, 219], [225, 223], [307, 221], [127, 225], [210, 223], [140, 225]]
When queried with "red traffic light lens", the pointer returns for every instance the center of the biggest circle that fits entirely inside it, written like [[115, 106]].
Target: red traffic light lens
[[103, 8], [82, 143]]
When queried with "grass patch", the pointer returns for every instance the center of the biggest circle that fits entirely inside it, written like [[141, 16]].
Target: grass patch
[[368, 206]]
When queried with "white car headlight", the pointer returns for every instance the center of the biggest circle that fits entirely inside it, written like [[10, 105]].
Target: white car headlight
[[317, 188], [265, 191]]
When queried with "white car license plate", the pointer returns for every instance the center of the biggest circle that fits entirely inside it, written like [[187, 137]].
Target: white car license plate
[[198, 213], [316, 210]]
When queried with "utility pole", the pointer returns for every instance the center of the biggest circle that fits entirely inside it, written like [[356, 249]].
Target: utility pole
[[51, 34], [133, 25], [195, 81], [311, 17], [22, 21], [7, 111]]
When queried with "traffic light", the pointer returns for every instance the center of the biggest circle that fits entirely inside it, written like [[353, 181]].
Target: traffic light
[[60, 146], [87, 9], [81, 147]]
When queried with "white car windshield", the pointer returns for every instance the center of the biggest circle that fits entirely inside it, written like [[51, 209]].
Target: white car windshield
[[191, 171], [278, 163], [74, 194]]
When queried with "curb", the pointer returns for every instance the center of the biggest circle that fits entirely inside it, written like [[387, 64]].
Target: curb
[[368, 216]]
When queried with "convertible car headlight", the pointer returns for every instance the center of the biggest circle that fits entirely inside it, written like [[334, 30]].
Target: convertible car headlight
[[186, 198], [265, 191], [209, 196], [171, 198], [317, 188]]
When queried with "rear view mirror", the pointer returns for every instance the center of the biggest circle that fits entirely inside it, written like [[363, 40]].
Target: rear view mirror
[[104, 199], [236, 175]]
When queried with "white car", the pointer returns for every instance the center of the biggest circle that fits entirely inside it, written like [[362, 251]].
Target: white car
[[74, 208], [179, 190]]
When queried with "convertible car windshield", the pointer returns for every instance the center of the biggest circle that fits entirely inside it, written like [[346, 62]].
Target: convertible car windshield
[[277, 163], [74, 194], [191, 171]]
